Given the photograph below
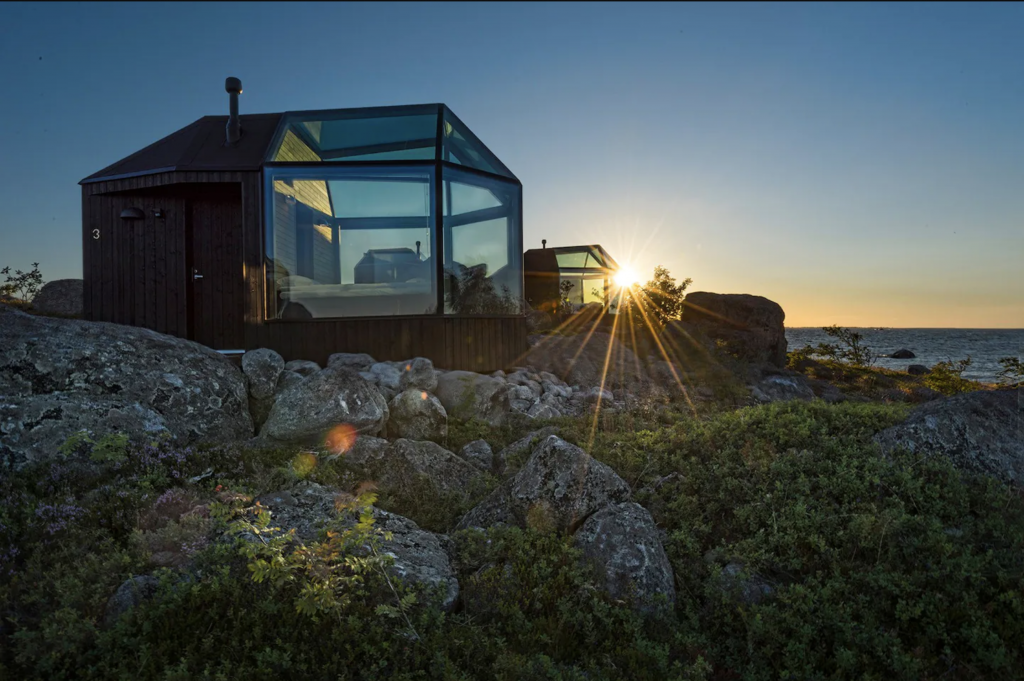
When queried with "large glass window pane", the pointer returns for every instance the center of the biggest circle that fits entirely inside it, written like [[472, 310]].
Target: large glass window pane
[[358, 136], [350, 242], [483, 272]]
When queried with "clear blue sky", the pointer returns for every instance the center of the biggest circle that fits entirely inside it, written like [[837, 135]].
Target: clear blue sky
[[861, 164]]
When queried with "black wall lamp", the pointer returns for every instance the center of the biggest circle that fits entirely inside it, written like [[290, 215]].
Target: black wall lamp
[[132, 214]]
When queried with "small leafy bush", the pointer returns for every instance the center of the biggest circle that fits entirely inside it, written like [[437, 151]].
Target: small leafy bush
[[947, 378]]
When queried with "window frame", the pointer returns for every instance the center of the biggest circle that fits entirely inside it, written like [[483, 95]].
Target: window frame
[[438, 246]]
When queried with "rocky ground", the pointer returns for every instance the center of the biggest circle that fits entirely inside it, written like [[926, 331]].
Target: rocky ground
[[666, 485]]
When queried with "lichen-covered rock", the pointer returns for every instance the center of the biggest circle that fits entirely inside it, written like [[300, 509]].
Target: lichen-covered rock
[[415, 414], [779, 388], [981, 432], [541, 410], [749, 327], [306, 412], [467, 395], [366, 451], [621, 543], [419, 556], [303, 367], [519, 449], [407, 464], [358, 361], [557, 489], [387, 376], [131, 593], [289, 378], [61, 297], [418, 373], [59, 376], [478, 453], [262, 367]]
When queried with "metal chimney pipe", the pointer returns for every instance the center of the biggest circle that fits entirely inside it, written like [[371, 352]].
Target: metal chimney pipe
[[234, 127], [543, 243]]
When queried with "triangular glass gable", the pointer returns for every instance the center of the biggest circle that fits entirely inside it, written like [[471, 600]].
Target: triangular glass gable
[[461, 146]]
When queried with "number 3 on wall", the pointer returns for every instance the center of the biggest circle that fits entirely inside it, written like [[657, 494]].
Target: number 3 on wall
[[95, 234]]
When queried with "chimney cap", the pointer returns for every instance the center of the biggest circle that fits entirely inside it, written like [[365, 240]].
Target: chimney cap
[[233, 85]]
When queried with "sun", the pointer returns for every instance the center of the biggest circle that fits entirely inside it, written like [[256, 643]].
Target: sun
[[626, 277]]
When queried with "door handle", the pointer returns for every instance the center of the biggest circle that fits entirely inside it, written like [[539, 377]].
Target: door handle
[[195, 274]]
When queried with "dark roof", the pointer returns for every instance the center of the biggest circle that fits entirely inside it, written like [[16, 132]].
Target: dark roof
[[199, 146]]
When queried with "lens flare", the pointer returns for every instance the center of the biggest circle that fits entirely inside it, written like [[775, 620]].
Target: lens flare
[[341, 438], [626, 277]]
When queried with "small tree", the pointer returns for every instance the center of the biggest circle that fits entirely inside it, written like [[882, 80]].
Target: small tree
[[849, 350], [1012, 371], [662, 297], [947, 377], [22, 286]]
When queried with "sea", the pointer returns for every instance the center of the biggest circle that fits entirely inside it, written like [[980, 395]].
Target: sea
[[985, 347]]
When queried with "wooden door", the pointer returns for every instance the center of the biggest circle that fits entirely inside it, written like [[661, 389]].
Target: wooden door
[[215, 271]]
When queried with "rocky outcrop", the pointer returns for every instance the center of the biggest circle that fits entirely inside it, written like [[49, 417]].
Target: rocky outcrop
[[61, 297], [59, 376], [981, 432], [557, 489], [518, 451], [903, 353], [307, 412], [467, 395], [621, 542], [415, 414], [748, 327], [420, 556]]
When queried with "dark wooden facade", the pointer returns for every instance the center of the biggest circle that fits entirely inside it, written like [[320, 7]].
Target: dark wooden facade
[[140, 272]]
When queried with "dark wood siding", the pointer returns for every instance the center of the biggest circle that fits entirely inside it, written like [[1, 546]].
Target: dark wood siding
[[476, 344], [140, 274]]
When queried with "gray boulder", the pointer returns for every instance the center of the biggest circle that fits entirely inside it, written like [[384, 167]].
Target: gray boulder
[[780, 388], [420, 556], [415, 414], [557, 489], [467, 395], [386, 376], [306, 412], [61, 297], [418, 373], [407, 464], [367, 451], [543, 411], [303, 367], [59, 376], [918, 370], [262, 367], [519, 449], [478, 453], [981, 432], [287, 379], [749, 589], [621, 542], [131, 593], [749, 327], [359, 361], [903, 353]]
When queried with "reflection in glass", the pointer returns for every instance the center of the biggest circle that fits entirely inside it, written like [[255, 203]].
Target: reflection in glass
[[350, 242], [482, 240]]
